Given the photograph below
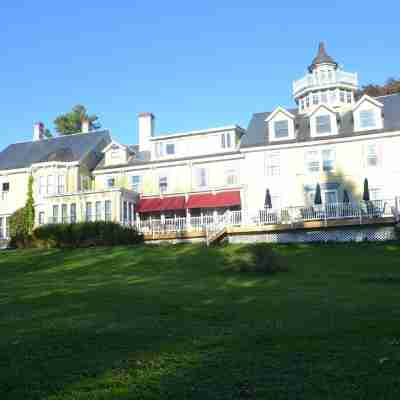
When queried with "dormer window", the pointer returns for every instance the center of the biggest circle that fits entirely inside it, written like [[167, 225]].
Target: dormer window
[[367, 114], [367, 119], [280, 125], [226, 141], [170, 149], [323, 124], [281, 129]]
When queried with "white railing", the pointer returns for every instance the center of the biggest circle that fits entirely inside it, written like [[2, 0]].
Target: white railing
[[211, 224], [335, 77]]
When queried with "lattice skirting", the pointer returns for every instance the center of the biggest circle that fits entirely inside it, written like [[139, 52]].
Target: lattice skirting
[[335, 235]]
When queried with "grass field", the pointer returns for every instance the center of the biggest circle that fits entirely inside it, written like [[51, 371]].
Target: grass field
[[178, 323]]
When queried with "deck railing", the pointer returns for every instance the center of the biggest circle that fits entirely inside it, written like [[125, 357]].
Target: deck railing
[[288, 215]]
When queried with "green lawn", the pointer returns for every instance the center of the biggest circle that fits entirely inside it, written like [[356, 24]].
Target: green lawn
[[176, 323]]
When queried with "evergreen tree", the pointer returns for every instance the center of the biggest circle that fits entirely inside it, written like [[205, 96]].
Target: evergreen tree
[[29, 208], [71, 122], [366, 190], [318, 197]]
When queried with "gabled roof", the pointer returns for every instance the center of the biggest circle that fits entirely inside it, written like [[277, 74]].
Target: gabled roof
[[322, 57], [325, 106], [68, 148], [365, 97], [258, 131], [277, 111], [114, 145]]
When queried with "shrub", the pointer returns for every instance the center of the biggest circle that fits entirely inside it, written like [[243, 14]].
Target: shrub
[[84, 234], [264, 259]]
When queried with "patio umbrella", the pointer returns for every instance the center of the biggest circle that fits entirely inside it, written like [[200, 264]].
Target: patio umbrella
[[267, 201], [366, 190], [346, 198], [318, 198]]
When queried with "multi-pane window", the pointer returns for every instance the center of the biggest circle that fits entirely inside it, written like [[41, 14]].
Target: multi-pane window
[[125, 211], [307, 101], [226, 142], [72, 212], [7, 227], [85, 183], [328, 160], [170, 149], [323, 124], [231, 177], [324, 97], [348, 97], [281, 129], [98, 211], [332, 96], [89, 211], [372, 155], [163, 183], [135, 183], [342, 95], [375, 193], [50, 184], [315, 99], [130, 210], [159, 150], [61, 184], [367, 119], [312, 161], [5, 187], [55, 214], [302, 104], [64, 213], [273, 164], [201, 177], [42, 185], [107, 210]]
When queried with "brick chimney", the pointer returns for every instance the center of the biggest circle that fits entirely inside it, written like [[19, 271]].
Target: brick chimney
[[146, 130], [38, 131]]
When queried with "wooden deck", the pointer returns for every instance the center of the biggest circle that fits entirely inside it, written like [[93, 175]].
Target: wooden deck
[[271, 228]]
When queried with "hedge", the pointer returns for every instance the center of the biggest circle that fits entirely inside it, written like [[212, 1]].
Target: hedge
[[83, 234]]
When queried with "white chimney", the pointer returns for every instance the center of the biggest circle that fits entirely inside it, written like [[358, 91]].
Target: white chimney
[[38, 131], [85, 126], [146, 130]]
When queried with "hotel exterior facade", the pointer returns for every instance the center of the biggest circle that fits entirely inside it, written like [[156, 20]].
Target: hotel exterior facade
[[330, 142]]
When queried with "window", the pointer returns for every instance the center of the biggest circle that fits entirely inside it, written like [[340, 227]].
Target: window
[[72, 211], [114, 154], [372, 155], [367, 119], [7, 227], [61, 184], [342, 95], [307, 101], [88, 211], [5, 187], [348, 97], [170, 149], [42, 185], [323, 124], [55, 214], [136, 183], [281, 129], [375, 193], [273, 164], [110, 182], [302, 104], [201, 177], [50, 184], [312, 161], [324, 97], [98, 211], [332, 96], [130, 209], [85, 183], [41, 218], [315, 99], [107, 210], [64, 214], [328, 160], [231, 176], [163, 184], [2, 234], [330, 197], [159, 150], [226, 140]]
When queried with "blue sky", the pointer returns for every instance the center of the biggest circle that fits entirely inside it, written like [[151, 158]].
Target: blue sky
[[193, 64]]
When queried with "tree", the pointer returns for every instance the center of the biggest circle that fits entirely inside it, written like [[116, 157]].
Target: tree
[[30, 208], [391, 86], [366, 196], [71, 122], [318, 197]]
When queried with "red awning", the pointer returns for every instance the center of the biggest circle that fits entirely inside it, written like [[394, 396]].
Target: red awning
[[209, 200], [157, 204]]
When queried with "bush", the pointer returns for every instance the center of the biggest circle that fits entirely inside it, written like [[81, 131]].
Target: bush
[[264, 259], [83, 234]]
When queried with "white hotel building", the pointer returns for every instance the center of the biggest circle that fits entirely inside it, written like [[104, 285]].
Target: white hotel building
[[329, 139]]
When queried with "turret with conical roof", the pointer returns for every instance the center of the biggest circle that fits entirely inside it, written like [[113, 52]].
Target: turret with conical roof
[[325, 83]]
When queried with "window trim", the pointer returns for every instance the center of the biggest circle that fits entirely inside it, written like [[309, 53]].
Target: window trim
[[269, 167], [280, 114], [321, 111]]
